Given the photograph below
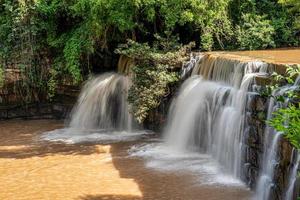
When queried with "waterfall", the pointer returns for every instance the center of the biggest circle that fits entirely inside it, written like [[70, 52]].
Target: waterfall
[[101, 114], [270, 155], [124, 64], [188, 67], [289, 195], [209, 113], [270, 158], [217, 115], [102, 104]]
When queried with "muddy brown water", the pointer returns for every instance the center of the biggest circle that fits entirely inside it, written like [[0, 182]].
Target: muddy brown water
[[31, 169], [277, 56]]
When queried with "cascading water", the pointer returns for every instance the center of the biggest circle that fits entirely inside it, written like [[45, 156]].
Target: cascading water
[[212, 114], [101, 113], [270, 160], [102, 104], [265, 182], [188, 67], [289, 195], [206, 121], [209, 112]]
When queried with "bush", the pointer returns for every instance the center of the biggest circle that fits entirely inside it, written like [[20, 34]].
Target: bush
[[255, 33], [287, 120], [153, 72]]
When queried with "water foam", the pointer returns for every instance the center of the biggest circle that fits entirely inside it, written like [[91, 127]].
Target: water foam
[[206, 170], [100, 115], [74, 136]]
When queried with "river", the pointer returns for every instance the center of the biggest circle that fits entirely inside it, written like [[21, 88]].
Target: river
[[33, 169]]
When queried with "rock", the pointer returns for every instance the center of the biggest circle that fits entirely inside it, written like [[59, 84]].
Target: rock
[[250, 175], [257, 103], [275, 193]]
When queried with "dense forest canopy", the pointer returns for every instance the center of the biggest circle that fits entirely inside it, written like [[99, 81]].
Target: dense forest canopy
[[58, 42], [54, 39]]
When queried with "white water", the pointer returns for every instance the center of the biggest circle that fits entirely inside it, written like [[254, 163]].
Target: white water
[[208, 115], [206, 121], [205, 128], [188, 67], [205, 169], [74, 136], [101, 113], [270, 157], [102, 104], [293, 176]]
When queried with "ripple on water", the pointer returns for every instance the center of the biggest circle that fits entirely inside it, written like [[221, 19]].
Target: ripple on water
[[156, 154], [74, 136], [161, 157]]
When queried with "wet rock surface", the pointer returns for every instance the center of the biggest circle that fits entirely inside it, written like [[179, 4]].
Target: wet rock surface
[[35, 111], [254, 145]]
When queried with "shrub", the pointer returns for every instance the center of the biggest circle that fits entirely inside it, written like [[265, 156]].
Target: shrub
[[255, 32], [287, 120], [153, 72]]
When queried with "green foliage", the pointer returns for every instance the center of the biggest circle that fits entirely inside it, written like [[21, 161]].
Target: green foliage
[[153, 72], [293, 7], [39, 36], [289, 78], [292, 4], [287, 120], [52, 84], [1, 76], [22, 48], [150, 84], [255, 33], [280, 17]]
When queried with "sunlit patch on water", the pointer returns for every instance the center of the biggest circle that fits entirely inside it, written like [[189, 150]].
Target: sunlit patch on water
[[74, 136], [161, 157]]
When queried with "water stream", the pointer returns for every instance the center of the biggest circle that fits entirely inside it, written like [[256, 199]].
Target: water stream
[[102, 104], [101, 113], [206, 124], [265, 186], [209, 113], [289, 193], [208, 116]]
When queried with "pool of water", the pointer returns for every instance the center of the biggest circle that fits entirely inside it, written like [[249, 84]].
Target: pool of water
[[136, 168]]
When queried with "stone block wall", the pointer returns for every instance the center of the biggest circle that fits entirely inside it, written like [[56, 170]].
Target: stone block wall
[[254, 147], [36, 111]]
